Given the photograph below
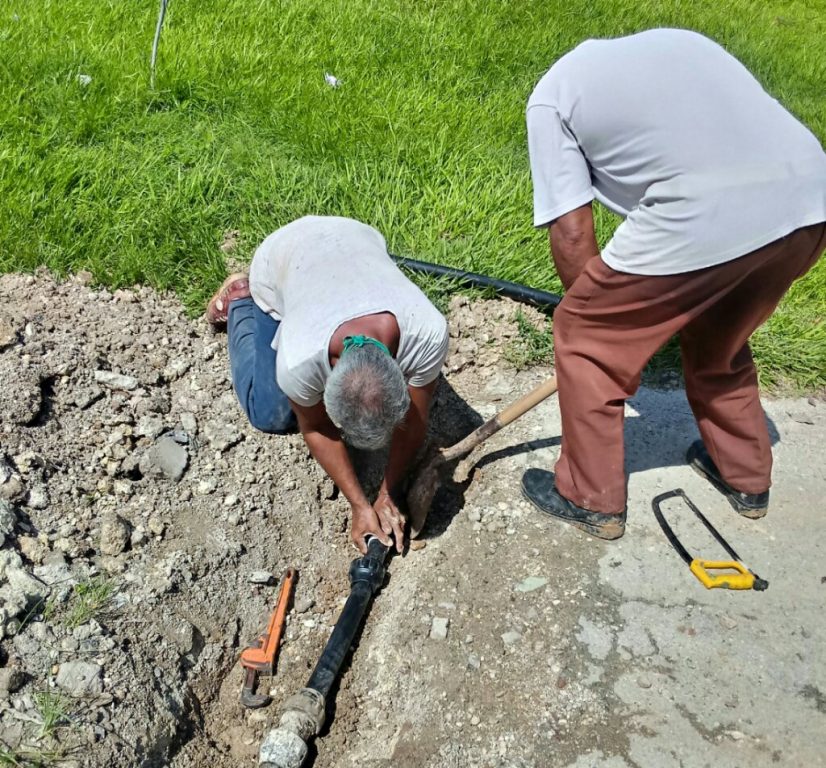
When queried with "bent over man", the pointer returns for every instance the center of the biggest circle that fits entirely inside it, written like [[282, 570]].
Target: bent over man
[[724, 198], [327, 332]]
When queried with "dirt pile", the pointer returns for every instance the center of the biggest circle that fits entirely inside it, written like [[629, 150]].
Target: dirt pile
[[137, 511]]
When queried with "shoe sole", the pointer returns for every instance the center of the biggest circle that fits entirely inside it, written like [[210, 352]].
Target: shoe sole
[[752, 513], [609, 532], [218, 317]]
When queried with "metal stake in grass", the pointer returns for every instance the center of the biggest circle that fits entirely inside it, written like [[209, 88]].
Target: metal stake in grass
[[156, 42]]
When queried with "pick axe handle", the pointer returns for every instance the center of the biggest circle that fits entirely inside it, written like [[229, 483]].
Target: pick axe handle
[[502, 419]]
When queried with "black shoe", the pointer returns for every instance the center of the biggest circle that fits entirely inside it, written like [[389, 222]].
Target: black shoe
[[752, 505], [538, 487]]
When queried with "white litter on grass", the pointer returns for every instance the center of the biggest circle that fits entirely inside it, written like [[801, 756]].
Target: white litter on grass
[[84, 80], [332, 80]]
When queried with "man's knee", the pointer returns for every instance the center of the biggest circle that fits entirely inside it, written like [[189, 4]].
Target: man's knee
[[274, 419]]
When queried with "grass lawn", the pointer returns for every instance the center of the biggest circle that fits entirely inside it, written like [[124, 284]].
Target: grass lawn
[[425, 138]]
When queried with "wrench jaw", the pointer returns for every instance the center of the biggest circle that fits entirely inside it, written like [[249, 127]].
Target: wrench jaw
[[249, 697]]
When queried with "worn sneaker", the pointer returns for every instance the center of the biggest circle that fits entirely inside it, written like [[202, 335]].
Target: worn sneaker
[[236, 286], [752, 505], [538, 487]]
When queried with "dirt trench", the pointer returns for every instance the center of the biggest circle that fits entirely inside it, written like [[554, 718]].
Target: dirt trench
[[141, 503]]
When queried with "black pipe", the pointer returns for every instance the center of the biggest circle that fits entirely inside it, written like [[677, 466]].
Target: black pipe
[[515, 291], [366, 576]]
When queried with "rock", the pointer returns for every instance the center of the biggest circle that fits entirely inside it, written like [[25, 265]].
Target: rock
[[531, 583], [231, 500], [644, 682], [9, 332], [56, 574], [38, 497], [221, 435], [473, 661], [21, 396], [32, 548], [261, 577], [304, 604], [180, 633], [205, 487], [114, 535], [12, 490], [150, 426], [83, 397], [417, 544], [19, 591], [156, 525], [176, 368], [11, 680], [20, 582], [138, 536], [69, 644], [189, 423], [165, 458], [438, 628], [511, 637], [116, 380], [474, 515], [9, 560], [80, 678], [7, 520]]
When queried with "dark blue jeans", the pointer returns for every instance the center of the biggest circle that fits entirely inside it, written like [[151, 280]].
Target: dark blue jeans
[[252, 363]]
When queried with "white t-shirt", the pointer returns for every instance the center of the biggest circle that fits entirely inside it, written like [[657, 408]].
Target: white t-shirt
[[668, 130], [321, 271]]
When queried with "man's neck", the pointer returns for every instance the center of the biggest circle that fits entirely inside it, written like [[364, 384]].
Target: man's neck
[[382, 327]]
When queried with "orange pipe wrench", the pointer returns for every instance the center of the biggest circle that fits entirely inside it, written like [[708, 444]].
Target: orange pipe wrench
[[259, 659]]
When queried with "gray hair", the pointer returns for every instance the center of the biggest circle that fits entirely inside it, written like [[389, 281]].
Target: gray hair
[[366, 397]]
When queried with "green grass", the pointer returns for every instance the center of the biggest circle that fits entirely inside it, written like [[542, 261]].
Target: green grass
[[89, 599], [533, 346], [53, 709], [425, 139]]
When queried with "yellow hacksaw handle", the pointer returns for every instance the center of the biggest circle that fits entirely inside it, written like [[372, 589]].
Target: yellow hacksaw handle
[[742, 579]]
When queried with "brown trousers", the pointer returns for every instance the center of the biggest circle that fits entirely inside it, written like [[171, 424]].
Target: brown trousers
[[610, 323]]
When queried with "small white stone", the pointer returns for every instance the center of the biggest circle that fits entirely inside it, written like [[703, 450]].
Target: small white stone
[[438, 628]]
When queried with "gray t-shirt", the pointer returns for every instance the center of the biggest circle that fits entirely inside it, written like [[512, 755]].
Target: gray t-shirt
[[321, 271], [670, 131]]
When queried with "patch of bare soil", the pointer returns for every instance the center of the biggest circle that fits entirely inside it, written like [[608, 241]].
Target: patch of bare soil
[[135, 505]]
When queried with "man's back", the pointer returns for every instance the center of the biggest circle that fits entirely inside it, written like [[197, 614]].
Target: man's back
[[677, 135], [317, 273]]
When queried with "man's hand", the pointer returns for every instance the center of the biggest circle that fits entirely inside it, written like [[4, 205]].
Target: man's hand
[[392, 521], [367, 522]]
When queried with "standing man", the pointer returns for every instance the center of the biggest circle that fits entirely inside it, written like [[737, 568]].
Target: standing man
[[327, 332], [724, 198]]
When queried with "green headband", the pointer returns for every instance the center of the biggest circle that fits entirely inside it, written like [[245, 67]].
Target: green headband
[[360, 341]]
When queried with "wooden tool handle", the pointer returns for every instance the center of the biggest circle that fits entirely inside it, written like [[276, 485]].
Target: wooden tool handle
[[502, 419]]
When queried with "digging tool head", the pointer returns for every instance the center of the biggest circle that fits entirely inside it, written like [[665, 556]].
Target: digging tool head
[[421, 493]]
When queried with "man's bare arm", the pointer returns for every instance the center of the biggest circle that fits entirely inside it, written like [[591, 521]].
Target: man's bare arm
[[324, 441], [408, 436], [573, 243]]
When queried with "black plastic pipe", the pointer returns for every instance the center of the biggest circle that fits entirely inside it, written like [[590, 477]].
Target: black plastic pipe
[[366, 576], [517, 292]]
